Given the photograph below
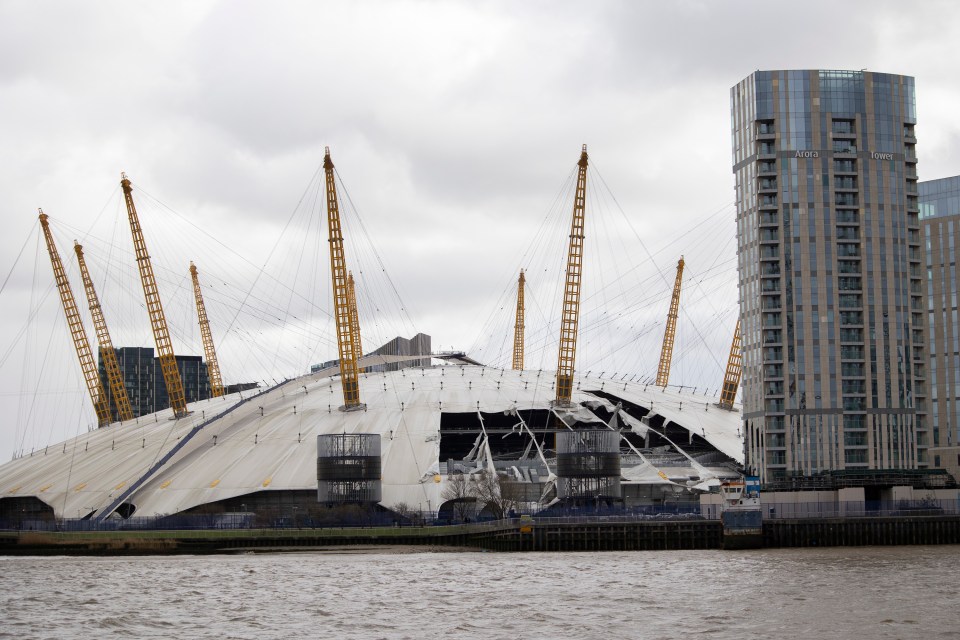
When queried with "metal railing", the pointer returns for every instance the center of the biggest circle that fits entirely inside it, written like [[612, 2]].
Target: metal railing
[[848, 509], [860, 509], [682, 511]]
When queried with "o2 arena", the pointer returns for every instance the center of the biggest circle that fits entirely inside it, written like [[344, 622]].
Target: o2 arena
[[429, 438], [251, 452]]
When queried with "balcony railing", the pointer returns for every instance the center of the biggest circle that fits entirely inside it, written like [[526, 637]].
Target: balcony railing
[[851, 369], [851, 353], [847, 216]]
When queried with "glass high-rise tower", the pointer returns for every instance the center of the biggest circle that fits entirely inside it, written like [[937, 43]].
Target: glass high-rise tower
[[143, 378], [940, 222], [831, 272]]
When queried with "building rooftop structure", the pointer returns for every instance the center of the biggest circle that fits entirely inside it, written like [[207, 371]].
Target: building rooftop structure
[[261, 445]]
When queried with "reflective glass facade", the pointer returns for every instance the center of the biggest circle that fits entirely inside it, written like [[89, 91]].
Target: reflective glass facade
[[143, 378], [940, 223], [830, 272]]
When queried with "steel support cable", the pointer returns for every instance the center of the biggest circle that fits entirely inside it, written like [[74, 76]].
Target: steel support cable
[[593, 276], [73, 456], [383, 269], [503, 328], [702, 338], [602, 318], [650, 255], [260, 271], [685, 351], [544, 335], [601, 322], [697, 280], [312, 228], [316, 217], [500, 323], [312, 216], [555, 261], [165, 276], [552, 214], [76, 414], [647, 251], [495, 321], [109, 253], [17, 259], [593, 326], [370, 295], [715, 324], [83, 235], [380, 296], [24, 331], [264, 315], [241, 308], [176, 300], [31, 409]]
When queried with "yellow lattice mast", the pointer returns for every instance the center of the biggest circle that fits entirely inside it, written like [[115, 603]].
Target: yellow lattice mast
[[347, 343], [666, 353], [77, 332], [571, 290], [731, 380], [354, 316], [213, 368], [107, 353], [518, 327], [158, 322]]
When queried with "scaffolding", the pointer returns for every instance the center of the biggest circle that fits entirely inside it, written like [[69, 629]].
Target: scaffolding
[[348, 468]]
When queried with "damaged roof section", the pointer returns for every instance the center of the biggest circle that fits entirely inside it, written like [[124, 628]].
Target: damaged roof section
[[426, 418]]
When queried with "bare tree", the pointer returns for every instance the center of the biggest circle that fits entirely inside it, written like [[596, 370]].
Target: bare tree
[[406, 513], [460, 492], [496, 494]]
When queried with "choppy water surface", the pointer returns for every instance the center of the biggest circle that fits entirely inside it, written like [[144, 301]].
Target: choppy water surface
[[877, 592]]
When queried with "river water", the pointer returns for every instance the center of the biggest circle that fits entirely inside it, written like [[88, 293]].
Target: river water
[[870, 592]]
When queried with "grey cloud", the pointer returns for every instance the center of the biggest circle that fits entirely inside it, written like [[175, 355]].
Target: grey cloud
[[453, 125]]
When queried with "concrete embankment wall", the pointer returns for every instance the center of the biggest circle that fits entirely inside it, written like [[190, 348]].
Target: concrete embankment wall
[[852, 532], [557, 535]]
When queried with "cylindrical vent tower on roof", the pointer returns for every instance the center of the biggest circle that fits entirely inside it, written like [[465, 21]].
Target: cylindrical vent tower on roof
[[348, 468], [588, 464]]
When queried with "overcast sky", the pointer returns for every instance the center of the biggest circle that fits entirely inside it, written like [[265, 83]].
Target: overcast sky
[[454, 127]]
